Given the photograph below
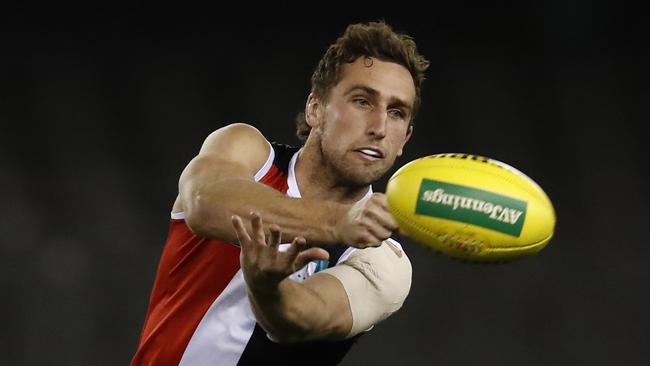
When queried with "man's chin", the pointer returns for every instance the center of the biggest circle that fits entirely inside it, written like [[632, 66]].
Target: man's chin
[[365, 179], [360, 175]]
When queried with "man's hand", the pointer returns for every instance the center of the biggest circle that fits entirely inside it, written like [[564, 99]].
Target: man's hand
[[367, 223], [263, 265]]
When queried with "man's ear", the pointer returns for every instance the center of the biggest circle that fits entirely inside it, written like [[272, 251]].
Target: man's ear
[[406, 139], [312, 110]]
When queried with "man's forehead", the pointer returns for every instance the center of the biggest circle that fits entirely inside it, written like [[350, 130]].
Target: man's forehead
[[389, 79]]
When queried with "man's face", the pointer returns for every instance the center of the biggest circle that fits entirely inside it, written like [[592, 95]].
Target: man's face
[[365, 122]]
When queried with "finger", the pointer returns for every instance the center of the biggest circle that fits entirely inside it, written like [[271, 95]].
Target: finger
[[384, 218], [242, 235], [368, 244], [375, 232], [366, 240], [258, 228], [311, 254], [274, 238], [294, 249], [380, 199]]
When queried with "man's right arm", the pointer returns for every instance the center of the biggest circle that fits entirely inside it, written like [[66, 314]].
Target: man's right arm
[[220, 182]]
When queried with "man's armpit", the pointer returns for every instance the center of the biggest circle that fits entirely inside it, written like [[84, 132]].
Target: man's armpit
[[376, 281]]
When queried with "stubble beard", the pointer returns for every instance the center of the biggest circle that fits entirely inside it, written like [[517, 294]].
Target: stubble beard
[[343, 173]]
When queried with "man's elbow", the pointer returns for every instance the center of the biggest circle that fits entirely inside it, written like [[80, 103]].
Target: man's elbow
[[299, 333], [196, 222], [204, 220], [294, 336], [285, 338]]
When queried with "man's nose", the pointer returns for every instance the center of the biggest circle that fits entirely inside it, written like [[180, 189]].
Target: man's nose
[[377, 124]]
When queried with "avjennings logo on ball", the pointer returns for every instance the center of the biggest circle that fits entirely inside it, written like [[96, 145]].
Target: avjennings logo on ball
[[472, 206]]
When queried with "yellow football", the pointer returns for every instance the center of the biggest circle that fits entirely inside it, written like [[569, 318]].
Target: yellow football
[[471, 207]]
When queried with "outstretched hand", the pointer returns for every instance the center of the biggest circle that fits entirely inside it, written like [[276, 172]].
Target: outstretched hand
[[263, 265]]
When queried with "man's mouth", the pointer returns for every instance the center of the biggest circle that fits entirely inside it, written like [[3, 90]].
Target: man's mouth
[[373, 153]]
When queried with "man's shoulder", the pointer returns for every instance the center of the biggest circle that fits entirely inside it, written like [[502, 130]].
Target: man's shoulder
[[237, 142], [234, 134]]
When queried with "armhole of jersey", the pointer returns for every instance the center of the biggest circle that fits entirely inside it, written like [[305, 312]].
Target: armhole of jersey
[[178, 215], [267, 165], [259, 175], [346, 254]]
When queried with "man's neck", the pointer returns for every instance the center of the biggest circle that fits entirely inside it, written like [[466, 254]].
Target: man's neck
[[315, 179]]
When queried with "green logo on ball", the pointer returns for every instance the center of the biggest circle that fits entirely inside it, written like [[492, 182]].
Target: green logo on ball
[[472, 206]]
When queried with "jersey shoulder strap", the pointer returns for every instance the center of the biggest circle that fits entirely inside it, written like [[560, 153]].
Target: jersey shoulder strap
[[283, 155]]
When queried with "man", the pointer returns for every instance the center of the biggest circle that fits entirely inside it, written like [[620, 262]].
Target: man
[[226, 291]]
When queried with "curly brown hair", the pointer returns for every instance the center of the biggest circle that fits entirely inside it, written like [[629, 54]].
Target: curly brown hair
[[373, 39]]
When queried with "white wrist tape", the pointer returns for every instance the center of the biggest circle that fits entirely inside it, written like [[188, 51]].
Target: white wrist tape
[[376, 280]]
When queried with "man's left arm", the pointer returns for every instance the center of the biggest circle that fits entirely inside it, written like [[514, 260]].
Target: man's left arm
[[337, 303]]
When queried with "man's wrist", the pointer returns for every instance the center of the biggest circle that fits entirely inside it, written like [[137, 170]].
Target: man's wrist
[[337, 213], [269, 305], [264, 291], [262, 286]]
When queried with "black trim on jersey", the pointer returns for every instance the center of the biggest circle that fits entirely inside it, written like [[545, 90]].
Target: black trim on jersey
[[260, 350], [283, 155], [335, 252]]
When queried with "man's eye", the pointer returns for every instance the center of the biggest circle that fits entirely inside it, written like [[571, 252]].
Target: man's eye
[[396, 113], [361, 101]]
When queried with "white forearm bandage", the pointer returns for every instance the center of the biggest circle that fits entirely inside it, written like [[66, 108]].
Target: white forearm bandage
[[376, 280]]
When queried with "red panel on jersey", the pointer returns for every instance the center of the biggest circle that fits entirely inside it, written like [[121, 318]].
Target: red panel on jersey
[[192, 273]]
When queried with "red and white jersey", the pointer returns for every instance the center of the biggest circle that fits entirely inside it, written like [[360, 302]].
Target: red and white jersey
[[199, 313]]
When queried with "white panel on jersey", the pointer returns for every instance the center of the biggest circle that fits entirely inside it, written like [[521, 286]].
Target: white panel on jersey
[[292, 183], [178, 215], [267, 165], [225, 329]]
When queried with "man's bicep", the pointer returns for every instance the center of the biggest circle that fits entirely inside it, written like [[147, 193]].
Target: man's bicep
[[210, 167]]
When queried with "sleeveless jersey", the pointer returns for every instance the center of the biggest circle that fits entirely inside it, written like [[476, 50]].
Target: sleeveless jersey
[[199, 313]]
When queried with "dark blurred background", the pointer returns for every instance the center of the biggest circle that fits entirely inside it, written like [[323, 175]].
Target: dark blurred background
[[100, 110]]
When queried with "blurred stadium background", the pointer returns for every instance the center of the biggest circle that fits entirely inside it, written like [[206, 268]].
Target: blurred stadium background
[[100, 110]]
